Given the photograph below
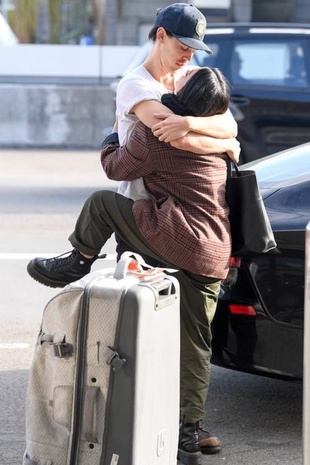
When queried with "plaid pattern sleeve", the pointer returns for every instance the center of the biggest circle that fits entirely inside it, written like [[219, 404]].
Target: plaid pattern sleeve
[[185, 218]]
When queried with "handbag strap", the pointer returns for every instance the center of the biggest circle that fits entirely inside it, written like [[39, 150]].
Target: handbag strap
[[236, 168], [232, 165]]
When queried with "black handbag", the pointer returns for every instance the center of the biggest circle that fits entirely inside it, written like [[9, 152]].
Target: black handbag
[[251, 230]]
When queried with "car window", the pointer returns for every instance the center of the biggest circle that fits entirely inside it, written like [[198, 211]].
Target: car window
[[200, 58], [203, 59], [271, 63]]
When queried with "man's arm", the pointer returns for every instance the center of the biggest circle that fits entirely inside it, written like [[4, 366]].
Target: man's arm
[[192, 141], [173, 127], [198, 143], [146, 110]]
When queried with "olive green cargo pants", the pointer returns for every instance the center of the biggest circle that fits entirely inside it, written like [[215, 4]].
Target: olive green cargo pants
[[105, 213]]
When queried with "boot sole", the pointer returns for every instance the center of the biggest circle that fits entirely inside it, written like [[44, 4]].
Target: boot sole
[[211, 450], [43, 279], [189, 458]]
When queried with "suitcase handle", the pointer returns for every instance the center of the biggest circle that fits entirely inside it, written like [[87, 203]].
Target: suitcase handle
[[163, 287], [165, 292], [88, 428], [122, 267]]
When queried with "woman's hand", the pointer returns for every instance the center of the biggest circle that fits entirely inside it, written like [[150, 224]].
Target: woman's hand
[[171, 127], [233, 149]]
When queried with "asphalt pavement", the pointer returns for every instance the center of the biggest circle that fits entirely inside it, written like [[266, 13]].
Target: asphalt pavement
[[258, 420]]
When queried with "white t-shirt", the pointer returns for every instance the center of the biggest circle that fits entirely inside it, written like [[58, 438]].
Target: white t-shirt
[[135, 87]]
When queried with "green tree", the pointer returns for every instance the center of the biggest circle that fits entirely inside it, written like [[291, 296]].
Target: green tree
[[53, 21], [23, 20]]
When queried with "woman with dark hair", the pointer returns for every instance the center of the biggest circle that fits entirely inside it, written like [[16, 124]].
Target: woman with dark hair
[[199, 92], [182, 224]]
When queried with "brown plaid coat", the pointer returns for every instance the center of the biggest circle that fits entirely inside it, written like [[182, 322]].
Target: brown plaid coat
[[186, 216]]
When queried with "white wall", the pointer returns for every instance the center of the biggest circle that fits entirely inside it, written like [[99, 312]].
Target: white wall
[[76, 61]]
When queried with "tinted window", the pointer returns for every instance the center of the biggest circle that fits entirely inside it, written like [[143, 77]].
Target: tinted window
[[203, 59], [268, 63]]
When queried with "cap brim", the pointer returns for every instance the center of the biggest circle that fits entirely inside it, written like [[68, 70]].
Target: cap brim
[[194, 43]]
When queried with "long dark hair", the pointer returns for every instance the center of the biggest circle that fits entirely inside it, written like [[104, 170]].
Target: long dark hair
[[206, 93]]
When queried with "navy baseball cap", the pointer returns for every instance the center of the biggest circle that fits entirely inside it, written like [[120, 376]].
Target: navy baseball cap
[[186, 23]]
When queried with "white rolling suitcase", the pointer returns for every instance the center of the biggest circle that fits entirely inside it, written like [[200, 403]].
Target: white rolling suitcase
[[104, 383]]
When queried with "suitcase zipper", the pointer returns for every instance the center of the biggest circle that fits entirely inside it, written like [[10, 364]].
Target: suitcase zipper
[[79, 378]]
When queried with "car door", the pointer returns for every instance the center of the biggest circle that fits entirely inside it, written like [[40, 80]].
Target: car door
[[270, 94], [270, 90]]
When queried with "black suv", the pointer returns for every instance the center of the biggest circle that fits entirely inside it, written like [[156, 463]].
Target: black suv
[[268, 66]]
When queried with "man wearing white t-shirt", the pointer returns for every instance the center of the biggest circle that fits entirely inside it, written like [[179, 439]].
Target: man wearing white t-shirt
[[139, 93], [178, 32]]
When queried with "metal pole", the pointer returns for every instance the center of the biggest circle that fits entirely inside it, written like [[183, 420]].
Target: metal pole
[[306, 374]]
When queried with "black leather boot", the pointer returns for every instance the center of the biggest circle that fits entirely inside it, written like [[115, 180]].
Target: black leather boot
[[189, 452]]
